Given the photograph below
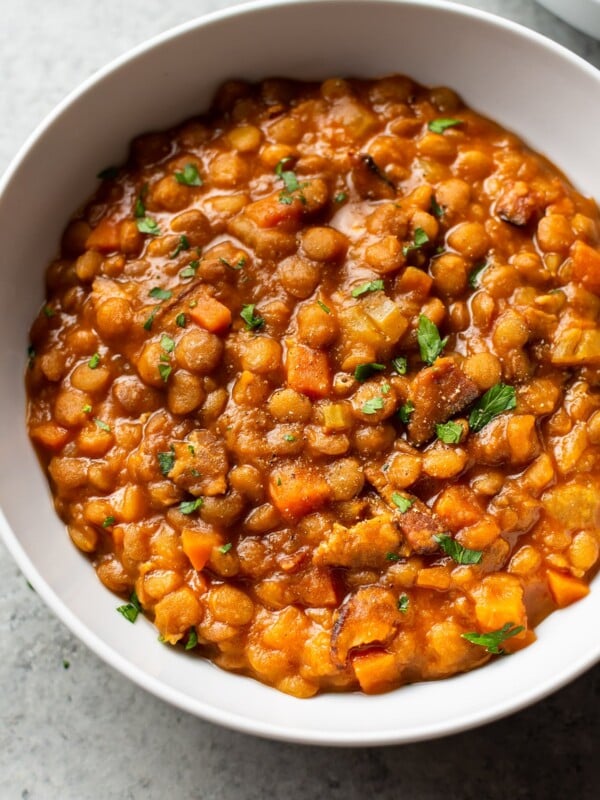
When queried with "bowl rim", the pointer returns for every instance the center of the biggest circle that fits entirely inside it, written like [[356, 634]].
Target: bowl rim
[[94, 641]]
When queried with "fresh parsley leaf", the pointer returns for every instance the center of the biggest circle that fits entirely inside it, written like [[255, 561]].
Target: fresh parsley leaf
[[322, 305], [370, 286], [403, 503], [49, 312], [340, 197], [403, 603], [150, 321], [167, 344], [189, 506], [405, 411], [164, 370], [160, 294], [166, 461], [499, 398], [392, 557], [108, 174], [94, 361], [86, 408], [240, 264], [475, 273], [290, 181], [458, 553], [139, 209], [182, 244], [190, 270], [66, 664], [449, 432], [289, 437], [364, 371], [419, 239], [192, 640], [400, 365], [443, 123], [148, 225], [385, 388], [436, 208], [189, 176], [286, 199], [225, 548], [132, 609], [430, 342], [253, 321], [492, 640], [102, 425], [108, 521], [373, 405], [180, 320]]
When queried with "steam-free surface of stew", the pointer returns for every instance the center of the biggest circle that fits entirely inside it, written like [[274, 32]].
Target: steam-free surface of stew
[[316, 385]]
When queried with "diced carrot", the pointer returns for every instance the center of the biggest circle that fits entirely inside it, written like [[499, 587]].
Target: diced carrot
[[459, 507], [296, 491], [198, 545], [211, 314], [308, 371], [376, 672], [270, 211], [106, 236], [566, 589], [50, 436], [586, 265]]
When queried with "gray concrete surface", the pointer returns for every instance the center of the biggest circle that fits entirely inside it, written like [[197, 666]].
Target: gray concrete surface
[[84, 732]]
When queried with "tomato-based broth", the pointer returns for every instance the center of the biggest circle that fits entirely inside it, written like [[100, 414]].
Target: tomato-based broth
[[316, 385]]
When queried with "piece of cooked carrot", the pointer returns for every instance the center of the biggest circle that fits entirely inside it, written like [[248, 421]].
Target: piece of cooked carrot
[[566, 589], [376, 672], [586, 265], [198, 546], [308, 370], [211, 314], [50, 436], [106, 236], [270, 211], [296, 491]]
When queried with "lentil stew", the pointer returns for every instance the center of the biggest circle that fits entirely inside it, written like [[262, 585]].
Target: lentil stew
[[317, 384]]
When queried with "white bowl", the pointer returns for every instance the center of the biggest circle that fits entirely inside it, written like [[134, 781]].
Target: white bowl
[[524, 81], [582, 14]]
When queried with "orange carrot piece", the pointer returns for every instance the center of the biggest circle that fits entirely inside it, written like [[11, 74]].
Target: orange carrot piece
[[296, 491], [211, 314], [566, 589], [198, 546], [50, 436], [376, 672], [270, 211], [586, 265], [308, 371], [105, 237]]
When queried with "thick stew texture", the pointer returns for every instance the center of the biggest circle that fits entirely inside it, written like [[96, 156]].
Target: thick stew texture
[[317, 385]]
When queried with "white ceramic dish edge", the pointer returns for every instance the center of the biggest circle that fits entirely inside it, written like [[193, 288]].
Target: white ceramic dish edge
[[207, 710]]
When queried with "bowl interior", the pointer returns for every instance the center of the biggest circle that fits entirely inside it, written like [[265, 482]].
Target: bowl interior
[[524, 82]]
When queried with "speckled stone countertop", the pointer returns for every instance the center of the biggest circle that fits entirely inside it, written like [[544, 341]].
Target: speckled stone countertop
[[83, 731]]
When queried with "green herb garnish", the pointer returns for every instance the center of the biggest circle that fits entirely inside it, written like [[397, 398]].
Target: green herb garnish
[[132, 609], [430, 342], [225, 548], [449, 432], [405, 411], [180, 320], [192, 639], [253, 321], [160, 294], [392, 557], [340, 197], [190, 270], [420, 238], [149, 322], [403, 503], [102, 425], [164, 370], [31, 354], [458, 553], [189, 176], [364, 371], [442, 124], [403, 603], [166, 461], [373, 405], [436, 208], [49, 312], [189, 506], [400, 365], [370, 286], [182, 244], [322, 305], [499, 398], [148, 225], [492, 640], [94, 361], [167, 344], [475, 273], [86, 408], [240, 264], [108, 521]]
